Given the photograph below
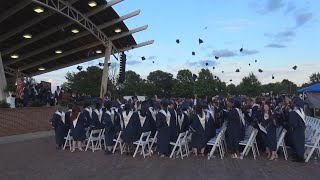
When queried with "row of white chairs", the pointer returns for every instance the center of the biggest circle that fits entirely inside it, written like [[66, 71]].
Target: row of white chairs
[[312, 137]]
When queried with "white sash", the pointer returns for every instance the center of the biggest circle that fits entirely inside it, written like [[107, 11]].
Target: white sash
[[301, 114], [126, 118], [62, 115], [152, 113], [142, 119], [180, 120], [202, 120], [167, 115], [210, 113], [99, 113], [74, 122], [241, 117], [111, 114], [89, 110]]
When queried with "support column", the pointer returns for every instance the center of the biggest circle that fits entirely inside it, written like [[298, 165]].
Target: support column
[[3, 81], [105, 74]]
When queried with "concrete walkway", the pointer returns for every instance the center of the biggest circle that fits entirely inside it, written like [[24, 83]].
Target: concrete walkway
[[25, 137]]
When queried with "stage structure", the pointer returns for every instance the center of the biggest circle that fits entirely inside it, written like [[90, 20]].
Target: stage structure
[[40, 36]]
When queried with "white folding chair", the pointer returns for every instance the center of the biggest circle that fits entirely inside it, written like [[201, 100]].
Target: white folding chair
[[188, 139], [94, 140], [143, 142], [217, 142], [68, 139], [249, 144], [312, 146], [152, 141], [281, 143], [181, 143], [103, 138], [118, 142]]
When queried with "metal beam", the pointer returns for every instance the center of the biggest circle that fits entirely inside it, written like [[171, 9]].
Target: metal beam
[[69, 39], [68, 11], [29, 24], [37, 63], [14, 10], [129, 32], [68, 65], [146, 43]]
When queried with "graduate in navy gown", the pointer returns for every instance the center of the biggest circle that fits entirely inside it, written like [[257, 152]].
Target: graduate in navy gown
[[97, 116], [233, 128], [211, 129], [297, 127], [78, 132], [173, 122], [183, 120], [130, 128], [144, 121], [87, 112], [270, 137], [199, 127], [151, 118], [163, 125], [58, 123], [68, 121], [111, 125]]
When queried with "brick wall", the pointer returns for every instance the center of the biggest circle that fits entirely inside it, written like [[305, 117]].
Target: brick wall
[[25, 120]]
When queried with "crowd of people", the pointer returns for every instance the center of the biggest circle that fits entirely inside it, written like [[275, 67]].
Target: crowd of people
[[202, 116]]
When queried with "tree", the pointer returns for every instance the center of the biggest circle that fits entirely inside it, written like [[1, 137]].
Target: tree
[[232, 89], [85, 82], [289, 86], [250, 85], [132, 83], [185, 84], [315, 78], [206, 85], [162, 83]]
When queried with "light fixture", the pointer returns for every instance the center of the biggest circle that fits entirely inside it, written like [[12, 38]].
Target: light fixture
[[14, 56], [98, 51], [58, 52], [118, 30], [75, 31], [41, 68], [27, 36], [38, 10], [92, 4]]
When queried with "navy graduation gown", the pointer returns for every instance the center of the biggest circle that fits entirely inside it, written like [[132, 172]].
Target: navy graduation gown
[[151, 118], [68, 122], [211, 132], [270, 139], [173, 125], [297, 127], [78, 131], [183, 122], [97, 122], [88, 118], [144, 124], [130, 132], [233, 129], [199, 137], [59, 128], [111, 125], [163, 138]]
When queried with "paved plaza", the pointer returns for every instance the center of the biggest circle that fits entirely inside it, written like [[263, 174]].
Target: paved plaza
[[37, 159]]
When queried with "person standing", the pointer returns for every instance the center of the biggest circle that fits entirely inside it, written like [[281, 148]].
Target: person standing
[[58, 95], [111, 125], [298, 126], [163, 125], [58, 123], [78, 132]]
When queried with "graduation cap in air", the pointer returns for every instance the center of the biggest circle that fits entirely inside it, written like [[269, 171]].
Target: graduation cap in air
[[207, 64], [200, 41], [143, 58], [294, 67], [216, 57], [101, 64], [193, 53], [152, 61], [194, 77], [237, 70], [241, 49], [272, 77], [177, 41], [213, 67], [79, 68], [222, 71], [215, 77], [230, 80], [260, 70], [255, 60], [249, 64]]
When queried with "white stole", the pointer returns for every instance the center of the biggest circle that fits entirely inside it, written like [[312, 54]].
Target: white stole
[[180, 120], [89, 109], [62, 115], [142, 119], [126, 118], [99, 113], [202, 120], [111, 114], [74, 122], [167, 115], [301, 114], [152, 113], [241, 117]]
